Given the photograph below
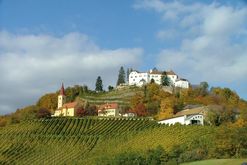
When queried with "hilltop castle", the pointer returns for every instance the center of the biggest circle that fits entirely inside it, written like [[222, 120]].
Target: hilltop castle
[[141, 78]]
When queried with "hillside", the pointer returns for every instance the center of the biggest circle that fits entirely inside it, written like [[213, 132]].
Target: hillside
[[86, 140]]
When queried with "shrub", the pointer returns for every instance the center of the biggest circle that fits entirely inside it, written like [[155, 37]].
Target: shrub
[[43, 113]]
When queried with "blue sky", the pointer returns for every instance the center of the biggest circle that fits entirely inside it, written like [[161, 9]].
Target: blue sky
[[46, 42]]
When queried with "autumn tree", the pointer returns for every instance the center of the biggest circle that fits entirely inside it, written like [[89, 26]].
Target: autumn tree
[[140, 110], [80, 112], [43, 113], [121, 76], [166, 108], [99, 84], [152, 98], [136, 99], [3, 121], [91, 110], [48, 101]]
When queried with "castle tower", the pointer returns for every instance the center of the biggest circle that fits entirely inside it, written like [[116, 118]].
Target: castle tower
[[61, 98]]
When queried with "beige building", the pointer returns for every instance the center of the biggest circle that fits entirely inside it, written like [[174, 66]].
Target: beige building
[[63, 108], [109, 110]]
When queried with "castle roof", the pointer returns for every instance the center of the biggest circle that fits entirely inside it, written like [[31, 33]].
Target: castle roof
[[170, 72]]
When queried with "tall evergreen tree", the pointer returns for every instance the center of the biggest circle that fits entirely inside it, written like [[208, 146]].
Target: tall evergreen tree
[[121, 76], [99, 84], [127, 76]]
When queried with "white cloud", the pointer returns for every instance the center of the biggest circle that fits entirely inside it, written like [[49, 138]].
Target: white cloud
[[213, 45], [169, 34], [31, 65]]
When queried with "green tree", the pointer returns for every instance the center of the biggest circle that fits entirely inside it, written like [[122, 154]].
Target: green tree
[[99, 85], [110, 88], [127, 74], [121, 76], [165, 80], [204, 88]]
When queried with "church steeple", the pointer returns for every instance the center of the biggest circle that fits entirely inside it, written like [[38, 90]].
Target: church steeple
[[62, 90], [61, 98]]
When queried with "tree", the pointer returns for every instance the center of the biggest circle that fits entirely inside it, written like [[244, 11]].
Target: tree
[[99, 85], [127, 75], [110, 88], [165, 80], [80, 112], [91, 110], [204, 88], [43, 113], [48, 101], [121, 76], [166, 108], [140, 110]]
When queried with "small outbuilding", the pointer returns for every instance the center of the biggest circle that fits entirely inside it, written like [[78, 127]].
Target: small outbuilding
[[108, 110]]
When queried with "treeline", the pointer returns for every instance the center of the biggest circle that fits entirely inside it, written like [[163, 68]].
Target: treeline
[[154, 101]]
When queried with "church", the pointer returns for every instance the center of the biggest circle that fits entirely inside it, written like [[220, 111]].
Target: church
[[63, 108]]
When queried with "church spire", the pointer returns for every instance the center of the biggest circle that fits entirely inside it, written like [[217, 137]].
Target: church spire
[[62, 90]]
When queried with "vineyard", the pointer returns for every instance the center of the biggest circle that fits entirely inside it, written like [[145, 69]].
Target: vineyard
[[82, 140]]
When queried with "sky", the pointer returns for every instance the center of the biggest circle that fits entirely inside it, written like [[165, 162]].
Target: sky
[[46, 42]]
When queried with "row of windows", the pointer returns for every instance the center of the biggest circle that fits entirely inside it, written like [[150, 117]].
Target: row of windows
[[196, 117]]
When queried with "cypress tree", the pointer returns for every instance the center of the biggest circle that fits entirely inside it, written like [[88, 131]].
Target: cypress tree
[[99, 85], [121, 76]]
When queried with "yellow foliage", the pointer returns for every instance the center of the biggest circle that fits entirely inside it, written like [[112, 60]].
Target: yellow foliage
[[166, 108]]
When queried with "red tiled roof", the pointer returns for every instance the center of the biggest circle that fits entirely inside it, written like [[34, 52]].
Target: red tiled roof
[[70, 105], [108, 106]]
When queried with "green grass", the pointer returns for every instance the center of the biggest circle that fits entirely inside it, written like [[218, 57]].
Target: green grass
[[218, 162]]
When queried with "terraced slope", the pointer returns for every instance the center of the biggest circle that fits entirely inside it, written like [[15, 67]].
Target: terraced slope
[[121, 96]]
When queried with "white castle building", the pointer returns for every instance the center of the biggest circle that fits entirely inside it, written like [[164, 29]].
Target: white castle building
[[141, 78]]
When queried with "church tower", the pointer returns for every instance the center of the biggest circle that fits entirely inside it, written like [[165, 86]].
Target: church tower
[[61, 98]]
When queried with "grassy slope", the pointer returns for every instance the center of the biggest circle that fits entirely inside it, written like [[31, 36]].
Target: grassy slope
[[84, 141], [218, 162]]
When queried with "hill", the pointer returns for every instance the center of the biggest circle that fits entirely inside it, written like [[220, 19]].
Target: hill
[[86, 140]]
